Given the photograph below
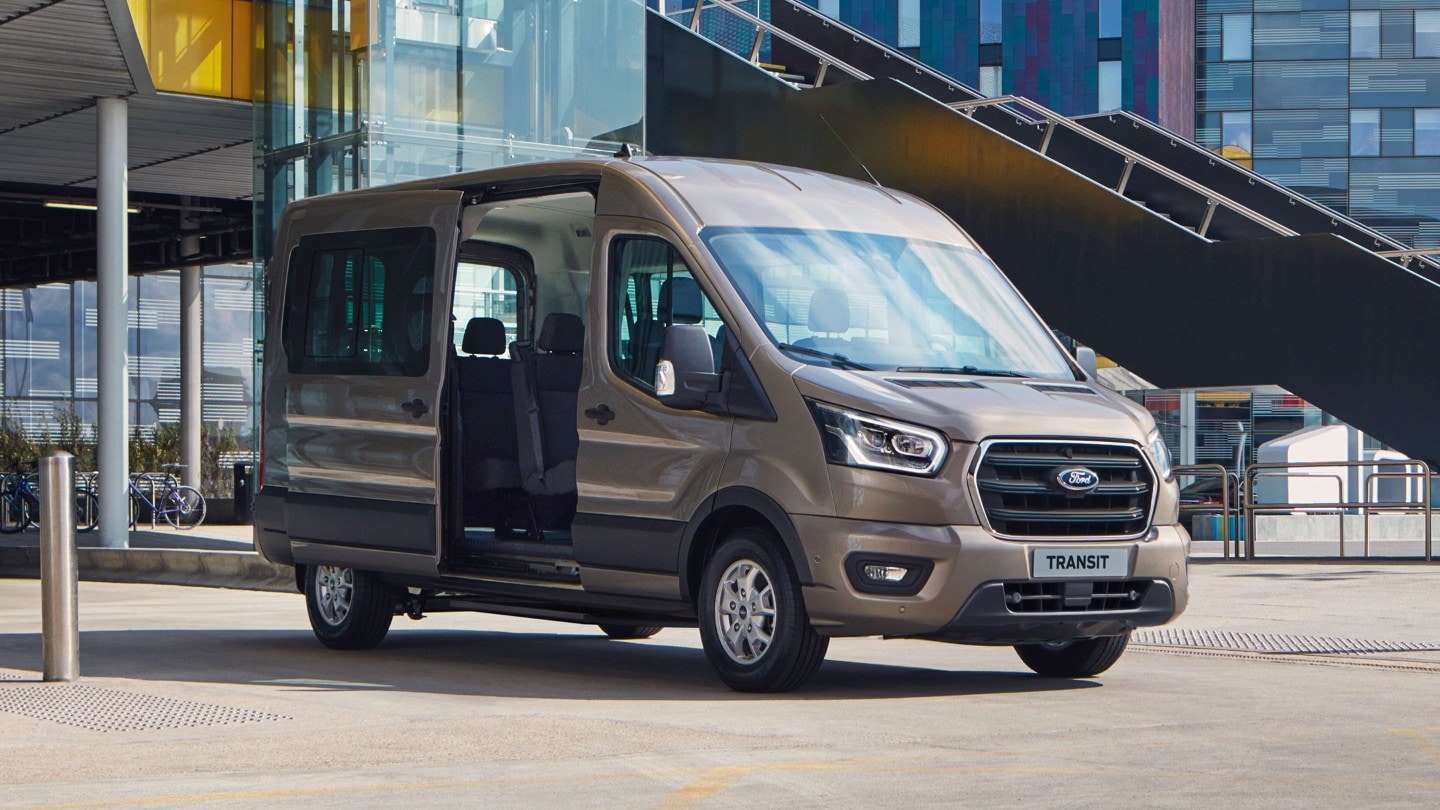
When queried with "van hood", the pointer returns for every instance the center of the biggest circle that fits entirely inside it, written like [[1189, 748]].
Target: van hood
[[971, 409]]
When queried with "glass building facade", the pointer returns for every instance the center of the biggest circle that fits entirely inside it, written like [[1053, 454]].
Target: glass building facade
[[1076, 57], [1337, 99]]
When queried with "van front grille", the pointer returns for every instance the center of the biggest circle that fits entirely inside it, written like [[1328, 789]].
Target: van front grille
[[1075, 597], [1022, 496]]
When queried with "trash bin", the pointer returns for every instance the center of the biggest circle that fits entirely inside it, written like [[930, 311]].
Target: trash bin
[[244, 498]]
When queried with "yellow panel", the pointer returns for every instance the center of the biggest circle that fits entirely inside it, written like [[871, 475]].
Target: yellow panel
[[140, 12], [191, 43], [242, 52]]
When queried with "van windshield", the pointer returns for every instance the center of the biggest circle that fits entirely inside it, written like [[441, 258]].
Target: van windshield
[[860, 300]]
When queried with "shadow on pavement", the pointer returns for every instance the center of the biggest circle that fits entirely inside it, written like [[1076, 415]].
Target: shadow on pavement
[[483, 663]]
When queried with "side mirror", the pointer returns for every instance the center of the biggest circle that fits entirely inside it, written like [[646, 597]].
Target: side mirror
[[686, 374], [1085, 356]]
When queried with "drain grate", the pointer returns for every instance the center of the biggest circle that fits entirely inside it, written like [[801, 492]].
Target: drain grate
[[98, 709], [1276, 644]]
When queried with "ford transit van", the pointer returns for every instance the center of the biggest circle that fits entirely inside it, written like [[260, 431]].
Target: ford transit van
[[777, 404]]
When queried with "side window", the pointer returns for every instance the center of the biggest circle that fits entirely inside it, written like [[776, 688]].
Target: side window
[[651, 288], [484, 290], [359, 303]]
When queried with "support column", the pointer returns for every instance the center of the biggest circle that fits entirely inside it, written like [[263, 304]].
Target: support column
[[112, 334], [192, 363], [1187, 426]]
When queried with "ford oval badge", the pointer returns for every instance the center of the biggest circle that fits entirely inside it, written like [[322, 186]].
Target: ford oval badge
[[1077, 479]]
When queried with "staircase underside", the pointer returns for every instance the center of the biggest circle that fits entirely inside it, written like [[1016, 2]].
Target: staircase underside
[[1315, 314]]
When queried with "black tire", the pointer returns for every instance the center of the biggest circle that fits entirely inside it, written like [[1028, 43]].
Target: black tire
[[13, 515], [184, 508], [87, 510], [349, 609], [622, 632], [1082, 658], [747, 662]]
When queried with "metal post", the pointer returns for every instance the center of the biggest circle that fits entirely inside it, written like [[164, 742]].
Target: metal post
[[59, 582], [191, 364], [112, 333]]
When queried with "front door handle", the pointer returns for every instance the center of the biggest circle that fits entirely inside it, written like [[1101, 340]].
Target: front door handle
[[600, 413], [415, 407]]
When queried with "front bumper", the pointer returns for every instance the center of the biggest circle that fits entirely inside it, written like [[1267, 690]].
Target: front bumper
[[964, 599]]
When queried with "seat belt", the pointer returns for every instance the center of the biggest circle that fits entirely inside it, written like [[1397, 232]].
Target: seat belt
[[527, 396]]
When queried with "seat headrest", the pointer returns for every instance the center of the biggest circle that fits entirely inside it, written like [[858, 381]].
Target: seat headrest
[[562, 333], [484, 336], [681, 299], [829, 310]]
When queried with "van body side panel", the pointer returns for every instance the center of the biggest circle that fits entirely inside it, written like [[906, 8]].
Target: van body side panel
[[359, 444]]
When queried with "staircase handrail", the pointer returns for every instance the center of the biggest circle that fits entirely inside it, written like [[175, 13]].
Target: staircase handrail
[[1052, 119], [769, 28]]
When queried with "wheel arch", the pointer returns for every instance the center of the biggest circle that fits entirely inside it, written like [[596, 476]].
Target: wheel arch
[[729, 509]]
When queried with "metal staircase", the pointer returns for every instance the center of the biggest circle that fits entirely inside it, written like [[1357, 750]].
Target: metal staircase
[[1184, 267]]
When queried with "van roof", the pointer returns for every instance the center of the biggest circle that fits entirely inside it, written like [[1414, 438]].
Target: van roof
[[738, 193]]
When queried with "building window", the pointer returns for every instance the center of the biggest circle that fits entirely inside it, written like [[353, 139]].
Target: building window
[[1365, 133], [1364, 35], [1427, 132], [991, 27], [1109, 86], [1109, 19], [1235, 38], [1427, 33], [909, 24], [830, 8], [1235, 130], [989, 81]]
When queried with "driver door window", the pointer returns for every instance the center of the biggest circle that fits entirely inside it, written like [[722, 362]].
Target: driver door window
[[652, 289]]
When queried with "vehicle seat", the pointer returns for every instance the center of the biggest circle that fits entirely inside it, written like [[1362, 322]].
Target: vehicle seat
[[680, 302], [546, 397], [490, 466], [828, 320]]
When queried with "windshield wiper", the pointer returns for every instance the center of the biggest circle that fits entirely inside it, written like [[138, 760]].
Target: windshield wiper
[[978, 372], [838, 359]]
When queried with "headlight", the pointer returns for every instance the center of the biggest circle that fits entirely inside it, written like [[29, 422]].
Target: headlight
[[860, 440], [1160, 454]]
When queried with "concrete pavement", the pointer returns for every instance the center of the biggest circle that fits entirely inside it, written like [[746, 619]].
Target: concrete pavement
[[195, 696]]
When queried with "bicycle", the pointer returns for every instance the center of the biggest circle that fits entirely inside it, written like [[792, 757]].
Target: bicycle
[[182, 507], [20, 504]]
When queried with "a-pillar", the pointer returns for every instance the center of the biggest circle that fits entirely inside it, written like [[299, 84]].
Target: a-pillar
[[112, 334]]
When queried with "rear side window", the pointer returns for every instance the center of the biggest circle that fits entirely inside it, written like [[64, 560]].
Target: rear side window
[[360, 303]]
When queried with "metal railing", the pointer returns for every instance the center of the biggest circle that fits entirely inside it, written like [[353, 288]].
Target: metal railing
[[1380, 470], [1230, 482], [763, 27]]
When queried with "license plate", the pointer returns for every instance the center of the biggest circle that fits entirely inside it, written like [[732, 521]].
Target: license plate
[[1073, 563]]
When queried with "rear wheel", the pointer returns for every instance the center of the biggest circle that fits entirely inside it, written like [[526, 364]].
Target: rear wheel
[[349, 609], [621, 632], [12, 509], [87, 510], [1082, 658], [752, 617]]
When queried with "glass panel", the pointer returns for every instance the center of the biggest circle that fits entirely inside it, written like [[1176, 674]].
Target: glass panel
[[1300, 133], [1109, 86], [884, 302], [1302, 85], [1221, 86], [830, 8], [1397, 133], [990, 81], [652, 290], [1109, 19], [1301, 36], [991, 24], [486, 291], [1235, 130], [1427, 132], [1365, 132], [1322, 179], [1235, 38], [909, 24], [1365, 35], [1427, 33]]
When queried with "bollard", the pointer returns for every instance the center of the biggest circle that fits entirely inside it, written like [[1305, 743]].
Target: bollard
[[59, 581]]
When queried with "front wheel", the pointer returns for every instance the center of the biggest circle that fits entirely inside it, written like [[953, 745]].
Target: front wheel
[[87, 510], [753, 623], [349, 609], [1083, 658]]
